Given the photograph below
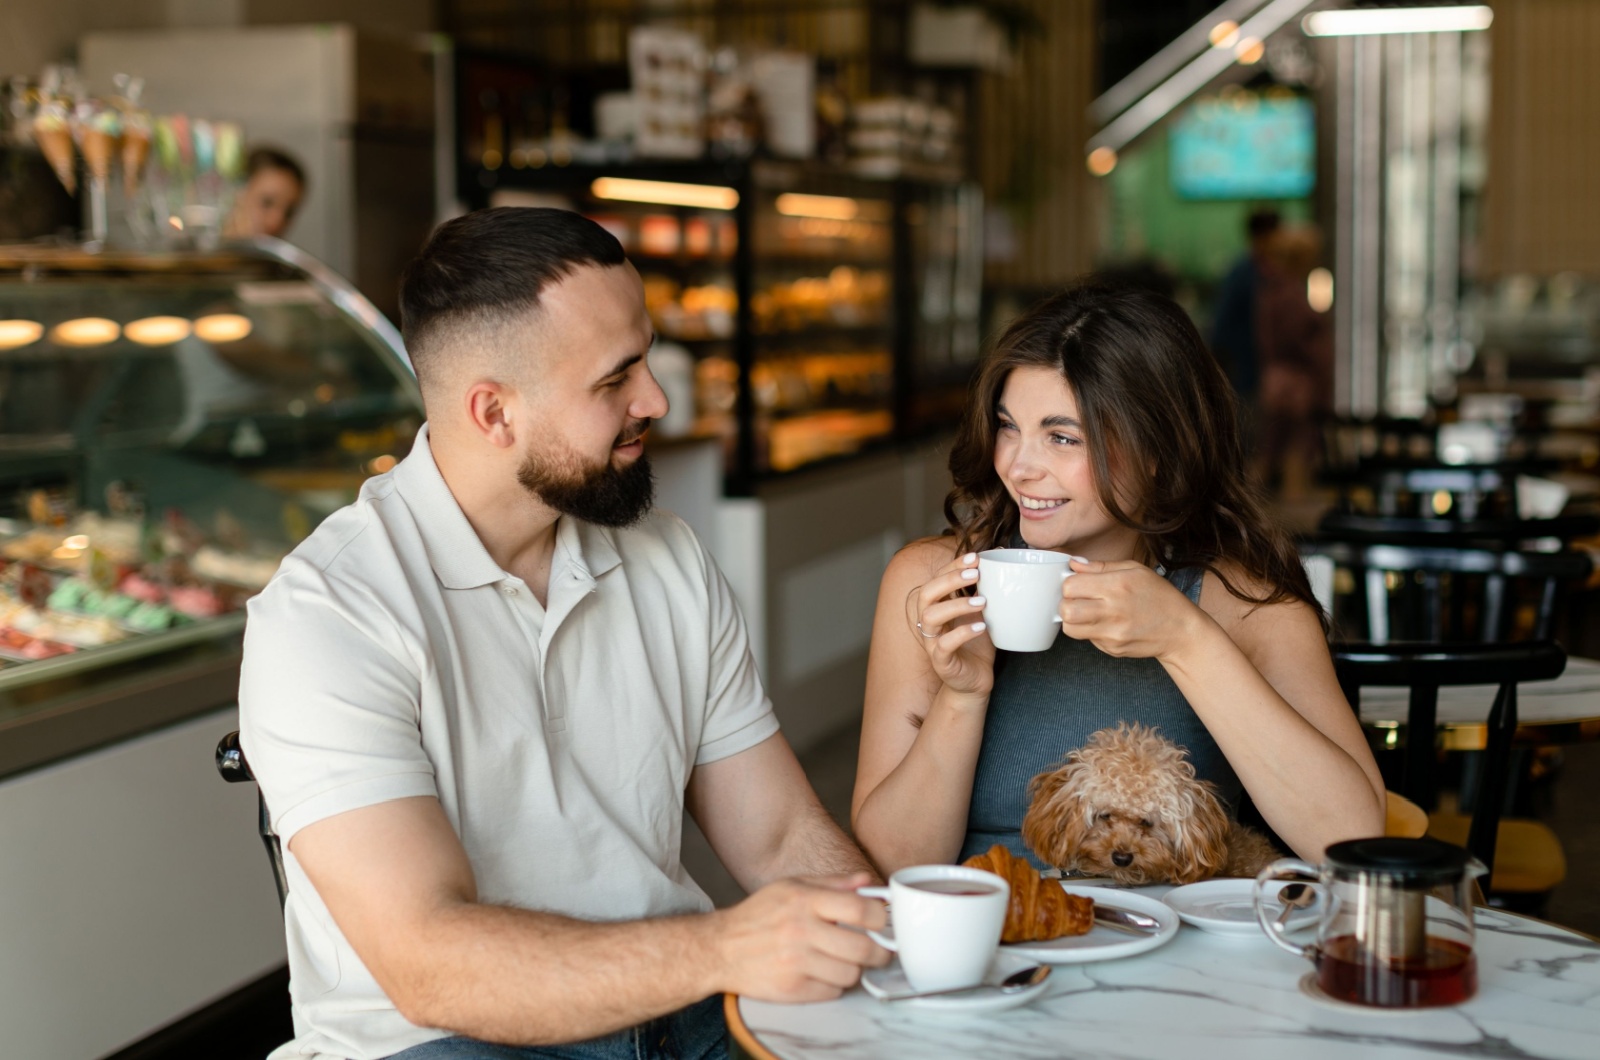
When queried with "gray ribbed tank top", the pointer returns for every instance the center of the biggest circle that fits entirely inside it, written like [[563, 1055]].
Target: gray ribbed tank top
[[1045, 704]]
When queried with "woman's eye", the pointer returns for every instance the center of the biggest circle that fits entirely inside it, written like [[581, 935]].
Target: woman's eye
[[1004, 426], [1064, 439]]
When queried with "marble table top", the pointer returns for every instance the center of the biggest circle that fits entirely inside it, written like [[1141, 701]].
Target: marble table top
[[1572, 697], [1205, 995]]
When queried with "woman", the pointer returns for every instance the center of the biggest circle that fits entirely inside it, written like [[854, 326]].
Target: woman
[[1101, 426]]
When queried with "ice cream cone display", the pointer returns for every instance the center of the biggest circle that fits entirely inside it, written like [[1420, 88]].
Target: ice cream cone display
[[230, 150], [135, 152], [54, 137], [99, 131]]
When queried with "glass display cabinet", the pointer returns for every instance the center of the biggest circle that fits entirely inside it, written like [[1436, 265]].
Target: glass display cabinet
[[171, 425], [819, 310]]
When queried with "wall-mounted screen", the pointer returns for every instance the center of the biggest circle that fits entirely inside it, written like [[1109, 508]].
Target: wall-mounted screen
[[1245, 146]]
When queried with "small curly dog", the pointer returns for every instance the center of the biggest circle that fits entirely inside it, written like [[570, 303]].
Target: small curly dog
[[1127, 805]]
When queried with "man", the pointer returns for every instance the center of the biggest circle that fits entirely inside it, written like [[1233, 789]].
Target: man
[[479, 699], [274, 186], [1234, 331]]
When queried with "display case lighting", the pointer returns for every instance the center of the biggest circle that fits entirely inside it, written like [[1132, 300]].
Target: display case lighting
[[85, 331], [222, 327], [665, 193], [826, 207], [17, 333], [1367, 21], [157, 331]]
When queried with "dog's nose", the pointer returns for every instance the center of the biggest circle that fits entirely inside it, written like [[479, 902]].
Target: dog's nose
[[1122, 859]]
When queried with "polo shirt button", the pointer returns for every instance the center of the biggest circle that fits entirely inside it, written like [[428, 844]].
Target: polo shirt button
[[509, 590]]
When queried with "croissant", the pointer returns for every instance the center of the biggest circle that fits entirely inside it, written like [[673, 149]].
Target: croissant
[[1040, 910]]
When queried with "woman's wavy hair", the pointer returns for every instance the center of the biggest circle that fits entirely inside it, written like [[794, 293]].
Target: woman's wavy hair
[[1154, 403]]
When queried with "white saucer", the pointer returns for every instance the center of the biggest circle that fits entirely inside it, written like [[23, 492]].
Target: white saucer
[[1103, 943], [1224, 907], [890, 980]]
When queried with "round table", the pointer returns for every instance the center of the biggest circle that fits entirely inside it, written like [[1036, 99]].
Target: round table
[[1565, 710], [1205, 995]]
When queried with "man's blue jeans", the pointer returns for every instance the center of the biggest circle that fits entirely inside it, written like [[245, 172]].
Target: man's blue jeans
[[694, 1033]]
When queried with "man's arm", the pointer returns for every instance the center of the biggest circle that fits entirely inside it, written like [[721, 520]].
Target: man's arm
[[400, 887], [764, 820]]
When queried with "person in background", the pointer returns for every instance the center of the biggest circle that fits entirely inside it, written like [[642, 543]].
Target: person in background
[[1233, 330], [1295, 343], [274, 187], [480, 700]]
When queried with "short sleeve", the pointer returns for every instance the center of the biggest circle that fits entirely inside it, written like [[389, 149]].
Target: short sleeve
[[328, 704], [738, 713]]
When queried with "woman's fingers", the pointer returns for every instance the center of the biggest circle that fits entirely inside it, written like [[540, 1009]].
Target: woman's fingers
[[951, 580], [961, 609], [951, 642]]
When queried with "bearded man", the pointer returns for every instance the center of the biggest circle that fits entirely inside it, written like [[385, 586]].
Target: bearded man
[[479, 700]]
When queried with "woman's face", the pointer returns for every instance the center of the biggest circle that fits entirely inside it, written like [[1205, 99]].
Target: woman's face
[[1041, 458]]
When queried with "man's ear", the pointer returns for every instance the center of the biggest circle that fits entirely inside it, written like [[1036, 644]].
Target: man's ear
[[488, 410]]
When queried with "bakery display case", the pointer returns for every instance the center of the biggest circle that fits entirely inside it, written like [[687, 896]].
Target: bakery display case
[[171, 425], [817, 310]]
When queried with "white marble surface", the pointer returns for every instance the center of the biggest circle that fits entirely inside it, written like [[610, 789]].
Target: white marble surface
[[1574, 696], [1205, 995]]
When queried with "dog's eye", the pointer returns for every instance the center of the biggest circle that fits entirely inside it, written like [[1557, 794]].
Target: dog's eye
[[1144, 822], [1103, 815]]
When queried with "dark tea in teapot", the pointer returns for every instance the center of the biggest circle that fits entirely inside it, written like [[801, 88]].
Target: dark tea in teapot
[[1445, 973]]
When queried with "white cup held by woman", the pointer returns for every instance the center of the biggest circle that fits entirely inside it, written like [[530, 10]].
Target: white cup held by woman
[[1022, 590], [947, 923]]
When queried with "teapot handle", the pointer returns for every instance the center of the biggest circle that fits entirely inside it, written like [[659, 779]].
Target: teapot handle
[[1267, 918]]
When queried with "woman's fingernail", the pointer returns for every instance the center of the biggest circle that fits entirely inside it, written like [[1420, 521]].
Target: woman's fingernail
[[976, 601], [970, 557], [977, 627], [969, 574]]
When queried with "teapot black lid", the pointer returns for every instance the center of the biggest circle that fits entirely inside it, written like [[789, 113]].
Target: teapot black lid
[[1407, 861]]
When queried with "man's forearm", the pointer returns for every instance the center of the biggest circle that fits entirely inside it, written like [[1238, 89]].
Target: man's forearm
[[510, 975]]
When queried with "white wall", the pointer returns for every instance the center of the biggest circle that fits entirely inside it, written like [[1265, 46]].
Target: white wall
[[133, 890]]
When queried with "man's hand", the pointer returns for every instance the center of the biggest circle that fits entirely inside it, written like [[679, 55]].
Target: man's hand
[[793, 941]]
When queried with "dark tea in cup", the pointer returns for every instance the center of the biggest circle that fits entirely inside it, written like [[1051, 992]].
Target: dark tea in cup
[[1445, 973], [961, 887]]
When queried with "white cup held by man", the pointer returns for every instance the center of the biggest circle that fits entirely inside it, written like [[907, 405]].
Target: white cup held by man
[[1021, 588], [947, 923]]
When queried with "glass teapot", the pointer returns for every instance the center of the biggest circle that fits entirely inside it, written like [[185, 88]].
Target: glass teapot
[[1395, 926]]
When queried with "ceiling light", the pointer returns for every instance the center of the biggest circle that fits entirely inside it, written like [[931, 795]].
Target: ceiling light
[[827, 207], [222, 327], [157, 331], [665, 193], [1223, 34], [15, 333], [1372, 20], [85, 331], [1102, 160], [1250, 51]]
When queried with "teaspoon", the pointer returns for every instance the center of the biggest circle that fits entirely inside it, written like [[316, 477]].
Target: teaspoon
[[1017, 981], [1294, 896]]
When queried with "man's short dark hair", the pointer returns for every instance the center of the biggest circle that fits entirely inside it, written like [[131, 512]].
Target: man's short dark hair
[[489, 266], [1262, 222], [263, 157]]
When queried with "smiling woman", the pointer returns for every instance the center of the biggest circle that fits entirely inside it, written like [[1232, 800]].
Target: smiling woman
[[1101, 426]]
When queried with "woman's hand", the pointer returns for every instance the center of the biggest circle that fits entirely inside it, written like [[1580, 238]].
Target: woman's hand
[[950, 628], [1126, 609]]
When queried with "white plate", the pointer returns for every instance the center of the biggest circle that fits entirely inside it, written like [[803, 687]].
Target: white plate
[[1102, 943], [890, 980], [1223, 907]]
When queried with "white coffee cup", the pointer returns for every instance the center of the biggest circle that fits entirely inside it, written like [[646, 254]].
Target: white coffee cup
[[947, 923], [1021, 588]]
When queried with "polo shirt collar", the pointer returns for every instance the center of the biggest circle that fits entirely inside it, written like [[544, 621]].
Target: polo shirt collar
[[454, 550]]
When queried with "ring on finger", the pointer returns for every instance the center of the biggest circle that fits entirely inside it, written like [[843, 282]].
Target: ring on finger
[[926, 635]]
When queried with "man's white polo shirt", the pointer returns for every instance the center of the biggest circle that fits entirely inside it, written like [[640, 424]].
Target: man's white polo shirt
[[392, 657]]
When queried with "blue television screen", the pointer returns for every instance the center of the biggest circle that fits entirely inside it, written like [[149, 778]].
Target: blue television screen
[[1258, 148]]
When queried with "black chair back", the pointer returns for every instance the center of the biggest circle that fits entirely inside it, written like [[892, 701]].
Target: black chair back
[[235, 769], [1424, 669]]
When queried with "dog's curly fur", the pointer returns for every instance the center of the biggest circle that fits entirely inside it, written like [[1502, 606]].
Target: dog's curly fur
[[1128, 806]]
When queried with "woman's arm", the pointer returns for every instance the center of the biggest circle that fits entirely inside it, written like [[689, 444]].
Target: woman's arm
[[920, 733], [1261, 680]]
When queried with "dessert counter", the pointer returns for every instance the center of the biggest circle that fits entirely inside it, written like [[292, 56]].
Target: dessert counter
[[171, 425]]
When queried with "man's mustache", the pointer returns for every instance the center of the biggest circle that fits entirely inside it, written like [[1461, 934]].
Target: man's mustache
[[632, 433]]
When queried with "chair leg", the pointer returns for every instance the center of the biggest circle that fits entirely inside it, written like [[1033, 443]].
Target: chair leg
[[1421, 722], [1496, 766], [274, 846]]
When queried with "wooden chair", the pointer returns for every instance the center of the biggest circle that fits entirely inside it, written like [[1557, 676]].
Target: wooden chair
[[1404, 818], [1525, 856]]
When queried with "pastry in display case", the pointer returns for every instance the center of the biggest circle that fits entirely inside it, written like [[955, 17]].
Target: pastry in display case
[[171, 425]]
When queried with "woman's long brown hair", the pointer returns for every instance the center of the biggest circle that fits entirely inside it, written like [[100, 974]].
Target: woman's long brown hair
[[1153, 400]]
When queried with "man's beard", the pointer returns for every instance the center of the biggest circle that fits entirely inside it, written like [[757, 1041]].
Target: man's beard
[[605, 495]]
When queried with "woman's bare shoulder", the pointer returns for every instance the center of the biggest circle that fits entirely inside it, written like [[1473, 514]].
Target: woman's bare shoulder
[[1237, 614], [921, 558]]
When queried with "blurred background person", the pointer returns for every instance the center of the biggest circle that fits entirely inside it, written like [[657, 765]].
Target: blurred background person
[[1233, 333], [1294, 344], [275, 185]]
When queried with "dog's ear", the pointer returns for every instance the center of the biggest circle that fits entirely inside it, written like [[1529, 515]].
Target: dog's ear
[[1057, 819], [1199, 835]]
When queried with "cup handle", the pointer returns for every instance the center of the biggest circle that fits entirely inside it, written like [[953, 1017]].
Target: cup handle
[[883, 894], [1267, 919]]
